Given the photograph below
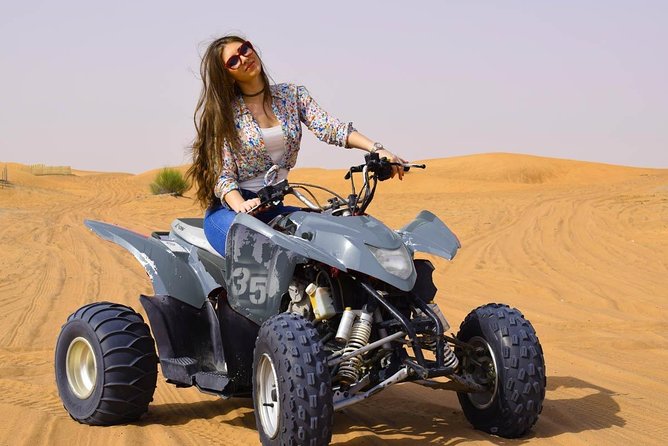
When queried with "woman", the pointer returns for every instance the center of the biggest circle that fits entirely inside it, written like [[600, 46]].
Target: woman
[[244, 126]]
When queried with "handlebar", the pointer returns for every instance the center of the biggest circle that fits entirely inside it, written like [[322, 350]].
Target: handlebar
[[379, 168]]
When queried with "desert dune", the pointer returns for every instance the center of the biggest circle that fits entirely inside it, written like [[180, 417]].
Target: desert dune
[[580, 248]]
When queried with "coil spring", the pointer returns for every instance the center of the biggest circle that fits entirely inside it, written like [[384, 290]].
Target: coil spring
[[349, 369], [428, 341], [449, 358]]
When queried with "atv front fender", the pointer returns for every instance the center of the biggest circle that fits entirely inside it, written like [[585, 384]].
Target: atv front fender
[[427, 233], [168, 270]]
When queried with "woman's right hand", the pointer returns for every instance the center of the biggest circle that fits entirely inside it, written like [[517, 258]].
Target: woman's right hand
[[391, 157], [246, 206]]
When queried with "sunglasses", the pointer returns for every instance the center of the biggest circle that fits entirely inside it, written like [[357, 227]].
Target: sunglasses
[[234, 62]]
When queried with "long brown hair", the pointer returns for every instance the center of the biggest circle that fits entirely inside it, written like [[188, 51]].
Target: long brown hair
[[214, 118]]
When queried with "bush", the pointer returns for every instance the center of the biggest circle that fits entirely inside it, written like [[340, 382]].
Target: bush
[[169, 181]]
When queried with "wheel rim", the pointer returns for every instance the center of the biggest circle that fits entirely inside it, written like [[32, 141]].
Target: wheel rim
[[485, 372], [268, 404], [81, 368]]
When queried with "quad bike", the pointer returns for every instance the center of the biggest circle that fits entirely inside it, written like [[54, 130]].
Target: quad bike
[[313, 312]]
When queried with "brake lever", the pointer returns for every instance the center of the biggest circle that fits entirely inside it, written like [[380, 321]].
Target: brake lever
[[407, 166], [254, 209], [417, 166]]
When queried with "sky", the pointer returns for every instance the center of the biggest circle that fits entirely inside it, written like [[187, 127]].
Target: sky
[[112, 86]]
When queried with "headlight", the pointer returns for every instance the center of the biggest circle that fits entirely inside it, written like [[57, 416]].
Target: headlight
[[395, 261]]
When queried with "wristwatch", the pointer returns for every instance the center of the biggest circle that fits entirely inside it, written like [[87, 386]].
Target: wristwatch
[[376, 147]]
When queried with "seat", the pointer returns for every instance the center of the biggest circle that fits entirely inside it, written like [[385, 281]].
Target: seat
[[192, 231]]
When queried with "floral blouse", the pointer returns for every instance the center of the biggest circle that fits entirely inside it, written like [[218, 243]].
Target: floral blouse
[[292, 105]]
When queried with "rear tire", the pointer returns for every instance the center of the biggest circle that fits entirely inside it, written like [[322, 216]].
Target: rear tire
[[292, 389], [106, 365], [510, 362]]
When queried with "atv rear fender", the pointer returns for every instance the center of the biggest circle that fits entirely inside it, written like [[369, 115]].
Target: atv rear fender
[[174, 270]]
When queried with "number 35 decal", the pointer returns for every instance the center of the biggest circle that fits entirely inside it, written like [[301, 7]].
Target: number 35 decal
[[255, 286]]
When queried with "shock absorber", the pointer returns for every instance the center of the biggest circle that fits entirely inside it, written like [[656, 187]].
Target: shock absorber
[[359, 337], [449, 358], [429, 340]]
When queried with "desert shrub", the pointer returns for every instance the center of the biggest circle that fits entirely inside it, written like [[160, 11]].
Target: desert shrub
[[169, 181]]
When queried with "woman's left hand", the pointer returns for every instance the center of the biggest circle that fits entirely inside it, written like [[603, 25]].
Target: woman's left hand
[[391, 157]]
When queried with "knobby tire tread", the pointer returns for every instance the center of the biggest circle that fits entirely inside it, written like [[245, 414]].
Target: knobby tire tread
[[522, 381], [302, 363]]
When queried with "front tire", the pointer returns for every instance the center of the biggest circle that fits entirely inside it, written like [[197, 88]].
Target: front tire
[[292, 389], [106, 365], [509, 361]]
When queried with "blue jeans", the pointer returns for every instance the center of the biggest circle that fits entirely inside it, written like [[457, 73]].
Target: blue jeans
[[218, 219]]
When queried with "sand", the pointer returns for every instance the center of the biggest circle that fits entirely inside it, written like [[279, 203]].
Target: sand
[[580, 248]]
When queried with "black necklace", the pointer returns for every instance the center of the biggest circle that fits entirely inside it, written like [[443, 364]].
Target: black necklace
[[254, 94]]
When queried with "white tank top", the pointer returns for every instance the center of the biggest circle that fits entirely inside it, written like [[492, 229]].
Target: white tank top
[[274, 143]]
